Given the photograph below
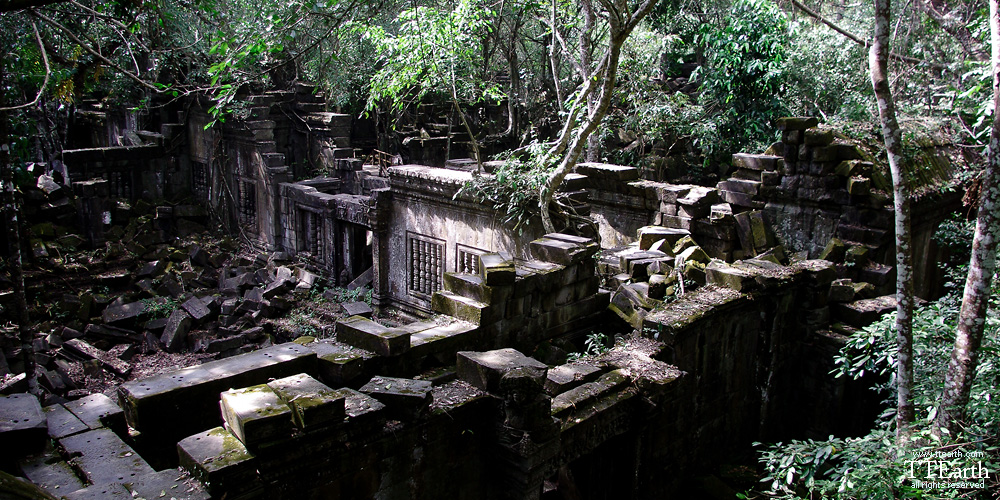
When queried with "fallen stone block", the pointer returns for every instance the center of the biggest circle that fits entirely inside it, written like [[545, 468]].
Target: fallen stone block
[[226, 343], [796, 123], [255, 415], [312, 402], [111, 334], [277, 287], [176, 330], [559, 251], [648, 235], [834, 250], [756, 162], [722, 274], [466, 309], [402, 396], [337, 364], [220, 462], [107, 360], [125, 314], [818, 272], [598, 172], [587, 394], [167, 484], [197, 309], [357, 309], [444, 340], [877, 274], [693, 254], [152, 269], [818, 137], [699, 196], [485, 369], [472, 286], [172, 405], [23, 427]]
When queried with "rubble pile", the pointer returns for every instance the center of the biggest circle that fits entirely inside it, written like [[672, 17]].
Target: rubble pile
[[154, 285]]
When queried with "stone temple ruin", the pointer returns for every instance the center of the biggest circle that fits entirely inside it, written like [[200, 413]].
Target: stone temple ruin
[[739, 293]]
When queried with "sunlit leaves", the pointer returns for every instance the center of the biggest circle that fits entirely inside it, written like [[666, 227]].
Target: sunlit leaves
[[432, 50]]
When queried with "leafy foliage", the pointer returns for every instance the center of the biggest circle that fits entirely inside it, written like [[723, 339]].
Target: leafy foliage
[[743, 75], [513, 188], [871, 466], [432, 50]]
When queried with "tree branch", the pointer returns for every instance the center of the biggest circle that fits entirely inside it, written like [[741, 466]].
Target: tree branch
[[864, 43], [48, 71], [93, 52]]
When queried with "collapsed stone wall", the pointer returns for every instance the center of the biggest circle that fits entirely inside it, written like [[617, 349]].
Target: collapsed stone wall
[[817, 194]]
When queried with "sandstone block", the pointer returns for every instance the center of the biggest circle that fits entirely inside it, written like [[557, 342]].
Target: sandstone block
[[485, 369]]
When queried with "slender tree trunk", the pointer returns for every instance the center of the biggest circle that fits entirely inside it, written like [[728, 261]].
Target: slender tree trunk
[[975, 300], [586, 61], [878, 58], [14, 243]]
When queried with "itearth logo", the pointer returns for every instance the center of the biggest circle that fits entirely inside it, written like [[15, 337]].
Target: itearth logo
[[949, 469]]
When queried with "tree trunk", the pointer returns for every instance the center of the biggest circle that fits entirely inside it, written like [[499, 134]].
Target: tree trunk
[[586, 61], [606, 73], [878, 58], [975, 300], [14, 242]]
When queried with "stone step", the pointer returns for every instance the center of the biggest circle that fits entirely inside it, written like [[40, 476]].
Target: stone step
[[51, 473], [98, 410], [864, 312], [366, 334], [578, 399], [337, 364], [103, 457], [562, 378], [23, 427], [468, 285], [311, 107], [465, 308], [176, 404], [444, 340], [62, 422]]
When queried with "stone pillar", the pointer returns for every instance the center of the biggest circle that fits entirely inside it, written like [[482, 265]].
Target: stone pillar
[[527, 435], [381, 206]]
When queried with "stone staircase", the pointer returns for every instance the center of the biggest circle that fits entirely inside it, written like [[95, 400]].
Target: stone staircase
[[75, 450]]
